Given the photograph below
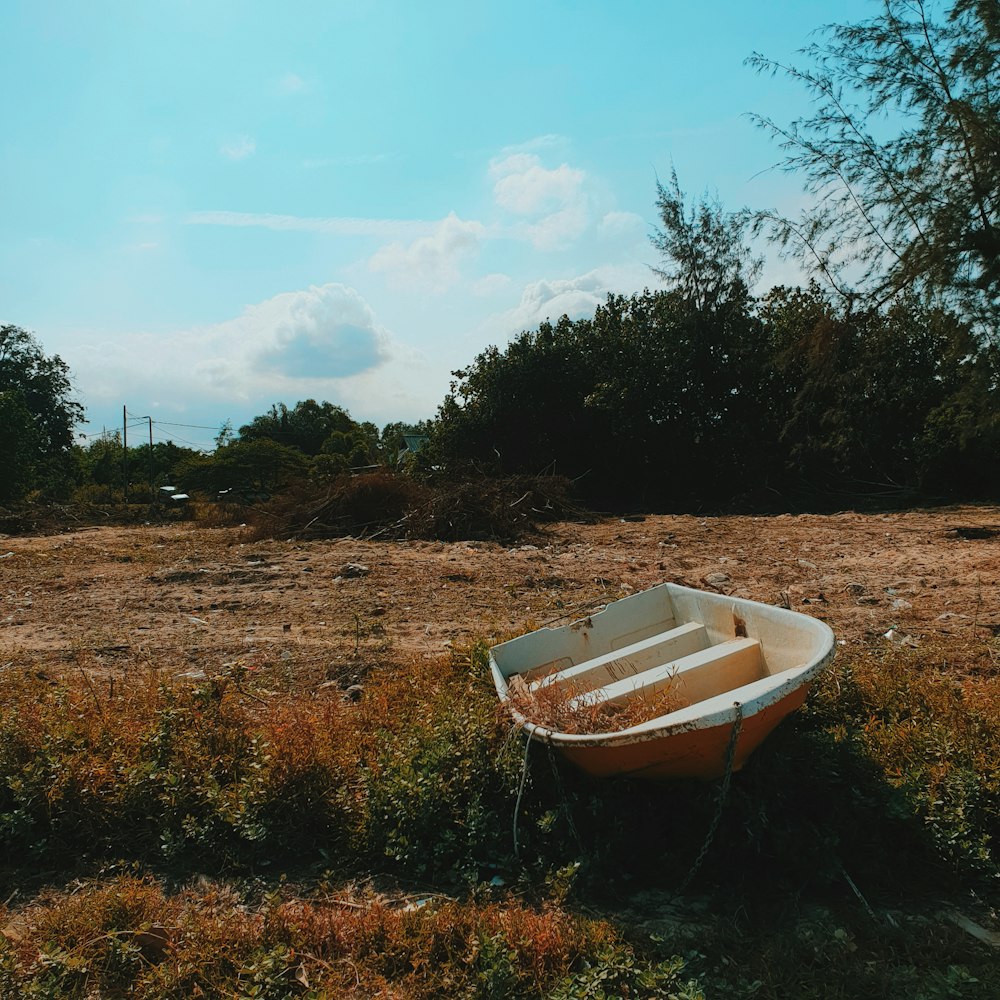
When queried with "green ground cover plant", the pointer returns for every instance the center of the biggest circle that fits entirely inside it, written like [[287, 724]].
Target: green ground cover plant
[[863, 819]]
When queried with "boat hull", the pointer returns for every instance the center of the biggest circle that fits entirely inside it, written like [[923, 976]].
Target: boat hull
[[740, 664], [690, 753]]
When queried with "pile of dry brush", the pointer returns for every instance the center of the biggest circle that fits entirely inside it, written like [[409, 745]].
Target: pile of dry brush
[[389, 505]]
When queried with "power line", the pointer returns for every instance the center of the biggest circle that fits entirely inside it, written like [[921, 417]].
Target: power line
[[200, 427], [177, 437]]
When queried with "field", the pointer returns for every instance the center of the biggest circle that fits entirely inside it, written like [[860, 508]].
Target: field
[[276, 769]]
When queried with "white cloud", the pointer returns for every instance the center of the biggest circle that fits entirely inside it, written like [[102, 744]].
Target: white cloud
[[325, 331], [618, 225], [490, 284], [523, 186], [576, 297], [292, 83], [238, 147], [557, 230], [336, 226], [290, 346], [431, 263], [553, 203]]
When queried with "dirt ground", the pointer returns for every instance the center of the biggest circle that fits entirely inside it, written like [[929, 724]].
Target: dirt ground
[[193, 597]]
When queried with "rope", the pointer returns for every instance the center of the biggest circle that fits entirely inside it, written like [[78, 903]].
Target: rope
[[520, 793], [564, 799], [720, 801]]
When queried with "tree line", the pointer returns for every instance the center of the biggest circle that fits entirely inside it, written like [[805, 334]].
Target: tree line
[[880, 376]]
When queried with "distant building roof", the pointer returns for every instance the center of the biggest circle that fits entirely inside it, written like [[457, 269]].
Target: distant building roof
[[414, 442]]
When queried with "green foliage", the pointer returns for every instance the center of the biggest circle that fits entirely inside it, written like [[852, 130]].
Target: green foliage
[[128, 937], [305, 427], [901, 153], [890, 774], [101, 468], [392, 440], [707, 259], [858, 391], [607, 400], [615, 973], [661, 401], [37, 417], [436, 785], [934, 739], [251, 469]]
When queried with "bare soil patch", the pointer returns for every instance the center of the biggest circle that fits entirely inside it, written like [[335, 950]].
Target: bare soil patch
[[193, 596]]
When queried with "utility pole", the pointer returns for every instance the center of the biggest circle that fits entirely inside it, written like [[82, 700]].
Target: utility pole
[[125, 451], [152, 488]]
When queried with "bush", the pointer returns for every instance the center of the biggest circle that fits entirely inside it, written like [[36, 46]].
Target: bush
[[129, 937], [394, 505]]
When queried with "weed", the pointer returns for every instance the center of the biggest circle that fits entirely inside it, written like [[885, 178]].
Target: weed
[[129, 937], [575, 708]]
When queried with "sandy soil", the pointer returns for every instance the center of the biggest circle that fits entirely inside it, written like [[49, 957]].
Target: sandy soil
[[195, 597]]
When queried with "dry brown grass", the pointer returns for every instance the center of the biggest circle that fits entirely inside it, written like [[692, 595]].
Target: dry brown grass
[[128, 936], [392, 505], [572, 708]]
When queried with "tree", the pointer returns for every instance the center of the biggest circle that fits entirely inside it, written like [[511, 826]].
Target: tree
[[251, 469], [902, 154], [652, 401], [306, 426], [37, 417], [706, 256], [856, 389]]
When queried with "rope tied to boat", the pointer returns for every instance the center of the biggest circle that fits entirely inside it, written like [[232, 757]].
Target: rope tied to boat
[[559, 786], [520, 792], [720, 801]]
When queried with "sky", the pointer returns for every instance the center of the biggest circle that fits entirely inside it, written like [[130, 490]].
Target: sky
[[211, 206]]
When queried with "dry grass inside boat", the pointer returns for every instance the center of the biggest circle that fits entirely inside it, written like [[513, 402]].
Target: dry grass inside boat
[[567, 708]]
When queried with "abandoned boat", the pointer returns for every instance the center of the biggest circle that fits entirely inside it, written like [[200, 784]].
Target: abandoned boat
[[664, 681]]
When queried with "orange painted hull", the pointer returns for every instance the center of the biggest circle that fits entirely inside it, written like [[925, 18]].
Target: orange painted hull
[[691, 753]]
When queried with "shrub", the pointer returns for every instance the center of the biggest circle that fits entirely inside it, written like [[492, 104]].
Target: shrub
[[394, 505]]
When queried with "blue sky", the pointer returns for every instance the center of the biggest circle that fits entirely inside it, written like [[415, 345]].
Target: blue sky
[[210, 206]]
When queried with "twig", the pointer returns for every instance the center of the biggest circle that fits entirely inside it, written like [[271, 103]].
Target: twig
[[93, 693], [346, 903], [330, 966], [520, 793], [857, 892]]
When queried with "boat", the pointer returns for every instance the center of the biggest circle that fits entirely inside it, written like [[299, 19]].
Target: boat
[[680, 683]]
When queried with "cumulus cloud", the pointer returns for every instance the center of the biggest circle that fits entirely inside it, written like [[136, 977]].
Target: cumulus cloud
[[238, 147], [576, 297], [552, 203], [523, 186], [431, 263], [326, 331], [291, 346]]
